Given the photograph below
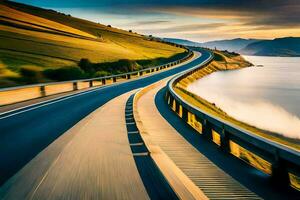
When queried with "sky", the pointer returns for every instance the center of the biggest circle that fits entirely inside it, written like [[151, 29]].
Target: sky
[[197, 20]]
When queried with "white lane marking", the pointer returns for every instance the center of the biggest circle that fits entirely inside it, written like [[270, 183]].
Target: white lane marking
[[42, 180], [59, 99], [48, 170]]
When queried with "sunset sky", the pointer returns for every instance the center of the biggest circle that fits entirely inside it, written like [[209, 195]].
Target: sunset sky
[[197, 20]]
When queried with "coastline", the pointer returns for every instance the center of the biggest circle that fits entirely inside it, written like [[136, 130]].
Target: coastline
[[235, 62]]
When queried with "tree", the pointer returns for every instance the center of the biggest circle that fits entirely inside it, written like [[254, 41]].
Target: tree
[[64, 74], [86, 65]]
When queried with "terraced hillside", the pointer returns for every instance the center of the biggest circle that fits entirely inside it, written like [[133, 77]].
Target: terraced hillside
[[34, 40]]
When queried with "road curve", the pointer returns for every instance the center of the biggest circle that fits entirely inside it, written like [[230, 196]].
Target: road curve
[[204, 174], [92, 160], [24, 134]]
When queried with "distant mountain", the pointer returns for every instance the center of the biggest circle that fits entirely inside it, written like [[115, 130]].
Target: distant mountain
[[230, 45], [183, 42], [289, 46]]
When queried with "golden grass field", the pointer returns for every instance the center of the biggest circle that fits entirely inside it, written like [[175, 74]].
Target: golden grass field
[[227, 63], [48, 39]]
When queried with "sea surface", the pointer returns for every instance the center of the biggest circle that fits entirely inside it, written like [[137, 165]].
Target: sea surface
[[267, 97]]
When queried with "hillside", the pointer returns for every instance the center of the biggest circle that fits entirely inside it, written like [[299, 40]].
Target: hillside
[[289, 46], [183, 42], [33, 40]]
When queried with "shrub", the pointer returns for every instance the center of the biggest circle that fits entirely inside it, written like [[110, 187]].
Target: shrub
[[218, 57], [31, 74], [102, 73], [86, 65], [120, 66], [127, 65], [160, 61], [64, 74]]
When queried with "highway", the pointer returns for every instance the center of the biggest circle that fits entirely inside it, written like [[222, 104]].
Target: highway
[[48, 150], [27, 132]]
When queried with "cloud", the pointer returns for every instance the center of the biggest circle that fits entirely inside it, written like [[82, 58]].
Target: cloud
[[255, 12], [209, 19], [278, 15], [189, 28], [147, 22]]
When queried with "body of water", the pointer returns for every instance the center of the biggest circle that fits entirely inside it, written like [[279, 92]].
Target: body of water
[[267, 97]]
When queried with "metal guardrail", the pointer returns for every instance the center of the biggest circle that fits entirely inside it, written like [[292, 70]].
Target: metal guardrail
[[284, 161], [17, 94]]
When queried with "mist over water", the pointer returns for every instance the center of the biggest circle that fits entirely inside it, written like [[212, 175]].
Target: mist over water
[[266, 97]]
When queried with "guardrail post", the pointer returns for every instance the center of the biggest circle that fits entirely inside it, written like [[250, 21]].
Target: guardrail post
[[207, 130], [152, 70], [128, 76], [157, 69], [91, 83], [75, 86], [103, 81], [279, 171], [177, 107], [140, 73], [171, 101], [224, 141], [114, 79], [184, 114], [42, 91], [167, 94]]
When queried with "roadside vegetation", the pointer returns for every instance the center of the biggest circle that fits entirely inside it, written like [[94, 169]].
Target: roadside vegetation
[[53, 47]]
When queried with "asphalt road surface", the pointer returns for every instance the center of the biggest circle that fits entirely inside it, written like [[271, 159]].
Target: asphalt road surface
[[25, 133]]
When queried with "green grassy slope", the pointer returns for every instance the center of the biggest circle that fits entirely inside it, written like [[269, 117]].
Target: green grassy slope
[[34, 39]]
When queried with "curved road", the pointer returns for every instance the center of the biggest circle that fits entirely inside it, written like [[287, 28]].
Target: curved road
[[27, 132]]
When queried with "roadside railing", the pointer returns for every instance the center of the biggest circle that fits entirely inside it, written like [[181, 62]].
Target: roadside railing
[[17, 94], [280, 162]]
